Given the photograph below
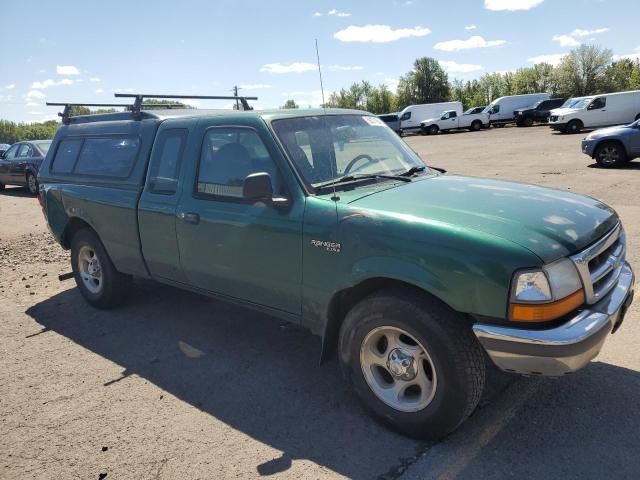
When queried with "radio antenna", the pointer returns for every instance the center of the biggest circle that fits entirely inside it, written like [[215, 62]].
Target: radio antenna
[[335, 196]]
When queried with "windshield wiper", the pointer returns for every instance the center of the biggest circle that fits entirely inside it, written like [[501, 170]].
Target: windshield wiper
[[413, 170], [360, 176]]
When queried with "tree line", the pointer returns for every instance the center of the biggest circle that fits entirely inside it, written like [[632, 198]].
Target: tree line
[[586, 70]]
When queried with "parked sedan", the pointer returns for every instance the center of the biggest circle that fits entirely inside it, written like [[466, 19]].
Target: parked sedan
[[613, 146], [19, 164]]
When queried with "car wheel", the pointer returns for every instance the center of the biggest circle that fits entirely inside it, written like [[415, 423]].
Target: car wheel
[[527, 122], [32, 184], [432, 130], [2, 186], [98, 280], [574, 126], [413, 362], [476, 125], [610, 154]]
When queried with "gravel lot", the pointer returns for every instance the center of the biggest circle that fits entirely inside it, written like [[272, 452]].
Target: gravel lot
[[174, 385]]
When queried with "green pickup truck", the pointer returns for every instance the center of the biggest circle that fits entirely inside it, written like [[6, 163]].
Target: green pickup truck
[[416, 280]]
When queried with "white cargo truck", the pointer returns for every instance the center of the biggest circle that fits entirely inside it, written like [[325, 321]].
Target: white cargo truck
[[501, 109]]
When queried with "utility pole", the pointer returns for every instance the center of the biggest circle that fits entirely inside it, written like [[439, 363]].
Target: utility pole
[[235, 93]]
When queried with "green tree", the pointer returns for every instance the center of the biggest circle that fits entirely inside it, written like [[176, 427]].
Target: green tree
[[426, 83], [583, 71], [290, 104], [618, 75]]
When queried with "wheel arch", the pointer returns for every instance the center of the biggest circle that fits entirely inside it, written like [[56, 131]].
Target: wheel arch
[[343, 300], [608, 140], [74, 225]]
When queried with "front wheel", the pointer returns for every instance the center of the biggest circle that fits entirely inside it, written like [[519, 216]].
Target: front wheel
[[432, 130], [610, 155], [413, 362], [527, 122], [476, 125], [2, 186], [574, 126], [32, 184], [96, 277]]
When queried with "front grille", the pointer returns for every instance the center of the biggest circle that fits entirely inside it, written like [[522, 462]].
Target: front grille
[[600, 264], [553, 118]]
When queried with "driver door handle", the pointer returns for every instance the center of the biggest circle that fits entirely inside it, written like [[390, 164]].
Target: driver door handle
[[189, 217]]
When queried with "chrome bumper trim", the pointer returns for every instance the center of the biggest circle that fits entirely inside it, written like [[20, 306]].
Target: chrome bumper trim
[[563, 349]]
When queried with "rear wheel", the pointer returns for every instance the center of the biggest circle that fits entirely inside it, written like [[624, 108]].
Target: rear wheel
[[610, 154], [432, 130], [32, 184], [412, 361], [476, 125], [99, 282], [574, 126], [2, 186]]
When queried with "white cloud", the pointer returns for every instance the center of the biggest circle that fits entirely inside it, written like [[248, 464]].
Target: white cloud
[[33, 104], [295, 67], [342, 68], [51, 83], [470, 27], [35, 94], [455, 67], [336, 13], [569, 40], [99, 90], [34, 113], [11, 86], [392, 83], [566, 40], [475, 41], [629, 56], [317, 14], [378, 33], [312, 98], [94, 79], [511, 5], [255, 86], [552, 58], [578, 32], [67, 70]]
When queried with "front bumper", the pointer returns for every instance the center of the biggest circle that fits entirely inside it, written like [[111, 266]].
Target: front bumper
[[588, 146], [563, 349], [558, 126]]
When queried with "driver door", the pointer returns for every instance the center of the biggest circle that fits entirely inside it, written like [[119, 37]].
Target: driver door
[[230, 246], [6, 162]]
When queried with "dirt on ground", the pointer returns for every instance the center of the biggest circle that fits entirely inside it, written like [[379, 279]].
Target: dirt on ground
[[175, 385]]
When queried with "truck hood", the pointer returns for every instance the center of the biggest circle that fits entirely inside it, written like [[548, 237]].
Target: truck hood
[[550, 223], [564, 111]]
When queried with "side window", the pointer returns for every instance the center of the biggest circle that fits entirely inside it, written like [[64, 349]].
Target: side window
[[599, 102], [25, 151], [109, 156], [453, 114], [66, 156], [495, 109], [544, 105], [166, 161], [228, 156], [11, 153], [406, 116]]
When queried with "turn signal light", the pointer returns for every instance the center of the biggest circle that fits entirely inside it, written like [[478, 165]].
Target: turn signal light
[[544, 312]]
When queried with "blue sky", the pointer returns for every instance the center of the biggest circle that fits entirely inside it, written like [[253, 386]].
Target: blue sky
[[85, 50]]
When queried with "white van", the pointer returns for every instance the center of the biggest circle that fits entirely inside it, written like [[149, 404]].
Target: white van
[[412, 115], [501, 109], [597, 111]]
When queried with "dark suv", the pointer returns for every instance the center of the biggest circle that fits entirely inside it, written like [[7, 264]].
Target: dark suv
[[19, 165], [538, 112]]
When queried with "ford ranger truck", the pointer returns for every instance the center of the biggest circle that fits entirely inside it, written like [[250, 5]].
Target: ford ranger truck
[[416, 280], [454, 120]]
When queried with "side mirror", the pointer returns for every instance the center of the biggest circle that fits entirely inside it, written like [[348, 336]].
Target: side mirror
[[258, 188]]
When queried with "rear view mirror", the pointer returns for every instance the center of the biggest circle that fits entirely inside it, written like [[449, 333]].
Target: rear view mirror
[[258, 188]]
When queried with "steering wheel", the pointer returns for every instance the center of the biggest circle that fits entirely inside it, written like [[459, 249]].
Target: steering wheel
[[363, 156]]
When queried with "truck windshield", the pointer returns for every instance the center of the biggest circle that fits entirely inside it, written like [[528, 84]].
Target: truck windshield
[[328, 147]]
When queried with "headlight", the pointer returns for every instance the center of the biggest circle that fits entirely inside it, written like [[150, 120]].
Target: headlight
[[545, 294], [561, 117]]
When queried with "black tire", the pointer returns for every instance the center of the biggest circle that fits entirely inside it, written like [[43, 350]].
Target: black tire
[[476, 125], [455, 353], [2, 185], [574, 126], [527, 122], [32, 184], [114, 285], [610, 154], [432, 130]]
